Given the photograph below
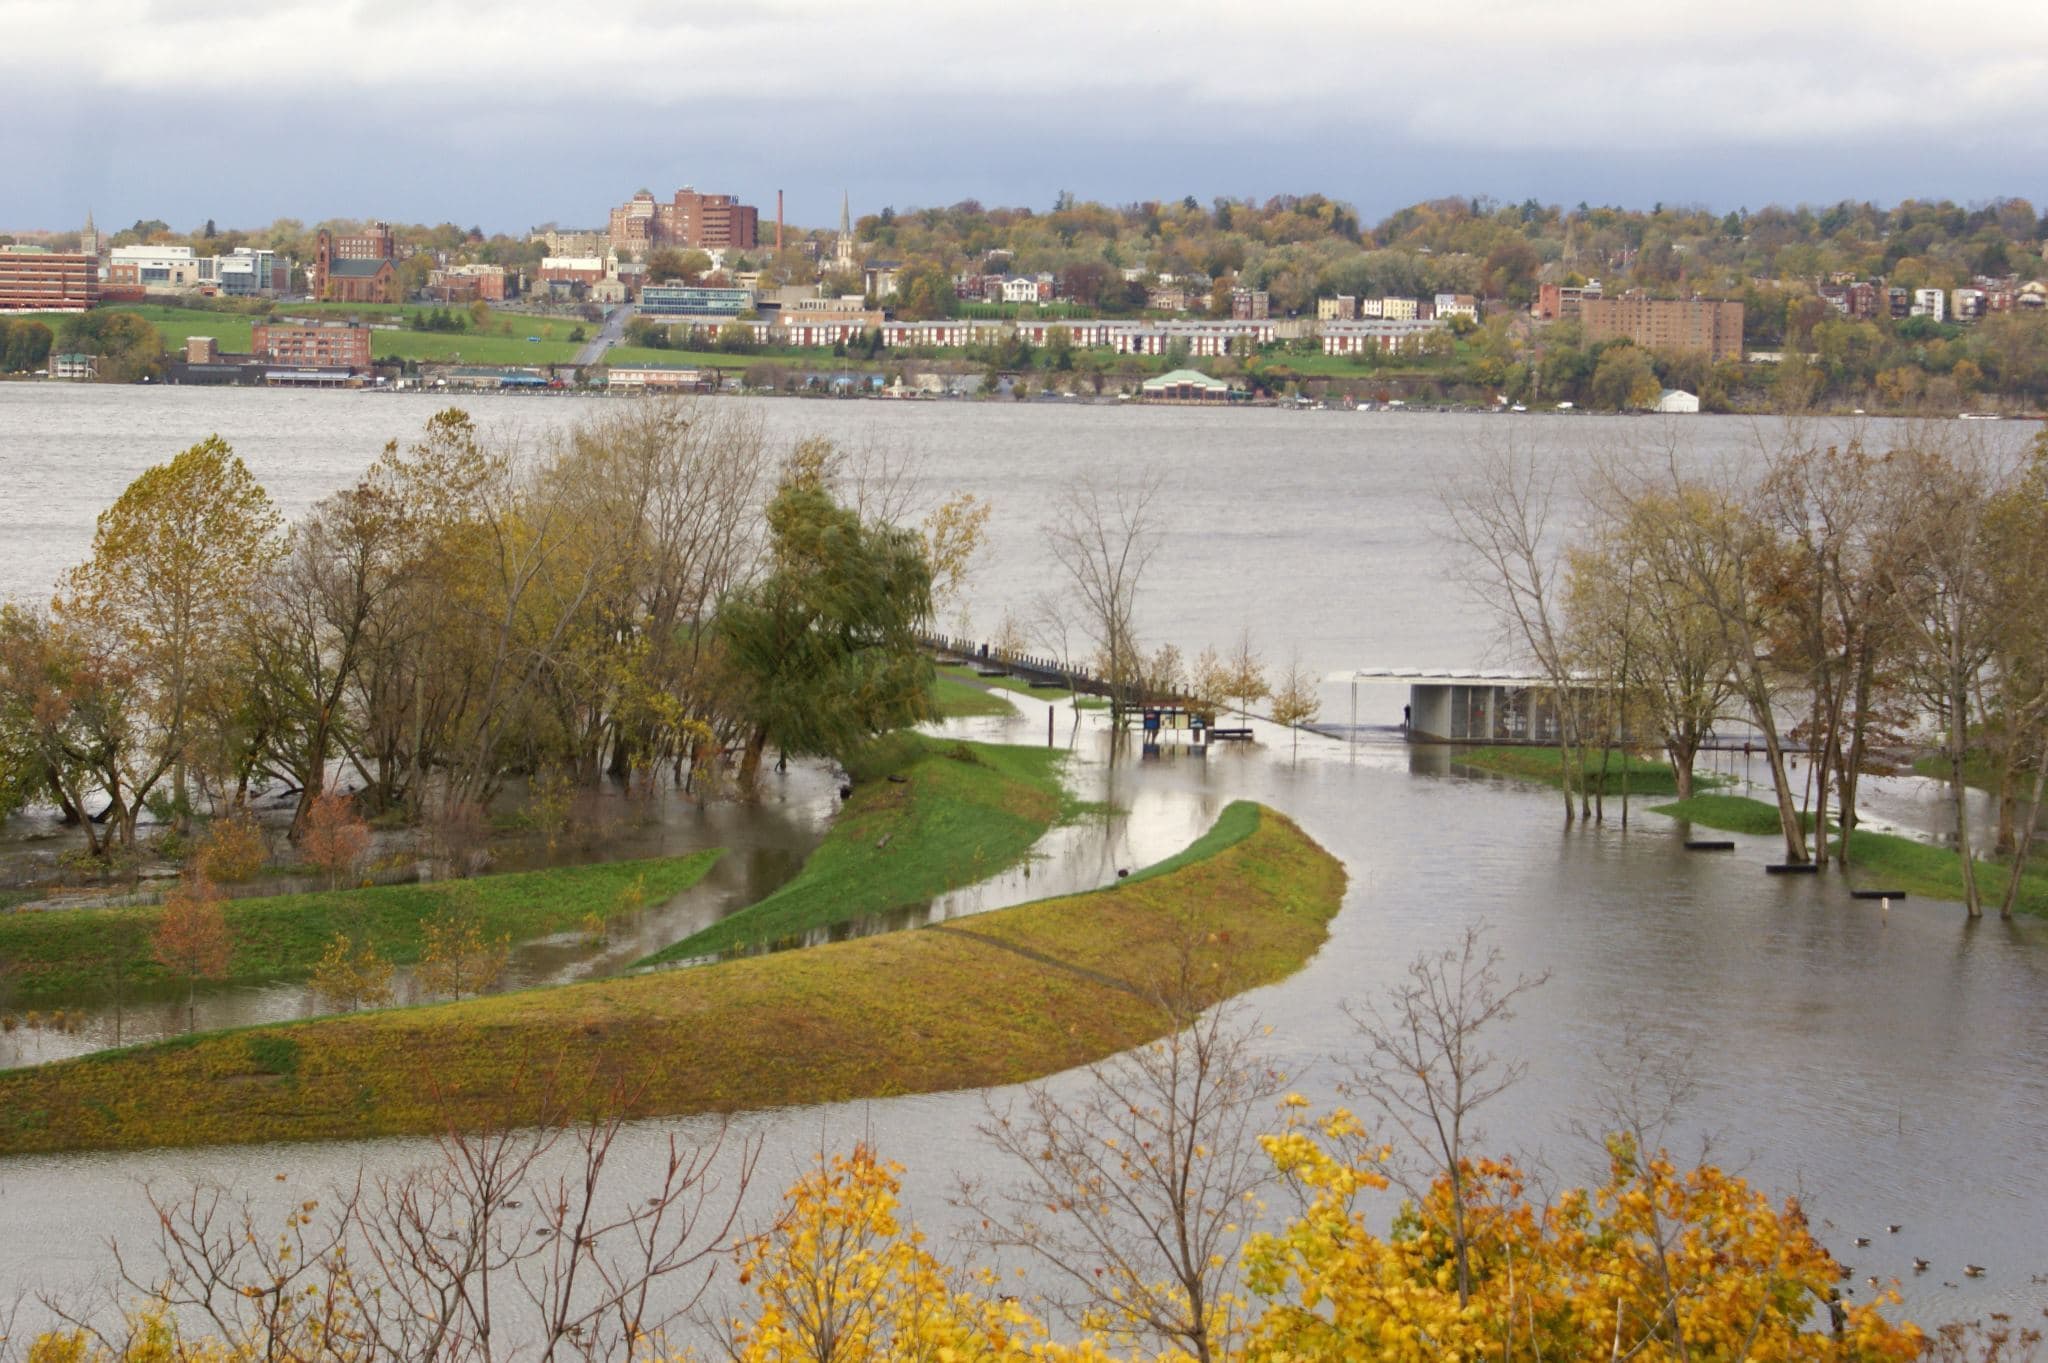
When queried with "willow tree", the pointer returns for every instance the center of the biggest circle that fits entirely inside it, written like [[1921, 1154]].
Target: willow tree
[[825, 645]]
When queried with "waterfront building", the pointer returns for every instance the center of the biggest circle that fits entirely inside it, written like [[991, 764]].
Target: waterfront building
[[312, 347], [1667, 324], [1677, 400], [33, 279], [74, 365], [621, 378], [1188, 385]]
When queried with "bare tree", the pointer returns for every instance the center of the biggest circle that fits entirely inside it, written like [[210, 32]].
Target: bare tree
[[1103, 536], [510, 1244], [1137, 1195], [1504, 518], [1427, 1069]]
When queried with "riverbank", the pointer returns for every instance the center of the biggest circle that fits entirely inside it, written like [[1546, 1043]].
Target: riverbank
[[1019, 994], [926, 816], [68, 954], [1883, 859]]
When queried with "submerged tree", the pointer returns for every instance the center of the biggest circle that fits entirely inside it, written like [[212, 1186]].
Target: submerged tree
[[826, 644]]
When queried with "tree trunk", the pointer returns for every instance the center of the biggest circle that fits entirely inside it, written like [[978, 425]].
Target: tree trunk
[[1957, 726], [2011, 898]]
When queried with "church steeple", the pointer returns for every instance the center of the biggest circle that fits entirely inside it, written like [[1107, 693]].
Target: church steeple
[[842, 250], [89, 239]]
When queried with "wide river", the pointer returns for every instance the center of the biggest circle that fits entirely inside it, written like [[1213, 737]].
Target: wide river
[[1890, 1069]]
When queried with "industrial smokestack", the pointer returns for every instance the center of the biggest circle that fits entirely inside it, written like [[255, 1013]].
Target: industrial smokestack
[[778, 222]]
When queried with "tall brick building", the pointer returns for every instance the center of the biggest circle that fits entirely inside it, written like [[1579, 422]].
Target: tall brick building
[[710, 221], [36, 280], [1666, 323]]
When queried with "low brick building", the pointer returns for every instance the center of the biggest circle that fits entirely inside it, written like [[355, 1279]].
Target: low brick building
[[316, 347]]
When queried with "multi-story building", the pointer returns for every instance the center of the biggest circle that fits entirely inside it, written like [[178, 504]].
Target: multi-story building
[[1364, 337], [1400, 309], [1899, 303], [1560, 302], [311, 347], [1449, 305], [575, 241], [643, 223], [469, 283], [251, 271], [1250, 305], [1342, 308], [35, 280], [1967, 305], [575, 269], [374, 242], [157, 269], [1929, 303], [692, 300], [1674, 324], [1861, 299]]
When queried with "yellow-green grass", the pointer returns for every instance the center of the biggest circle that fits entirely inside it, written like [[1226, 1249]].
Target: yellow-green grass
[[1646, 775], [1002, 998], [467, 348], [68, 954], [963, 700], [959, 813], [1883, 860]]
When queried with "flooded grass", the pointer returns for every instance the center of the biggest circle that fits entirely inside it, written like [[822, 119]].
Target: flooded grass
[[1646, 775], [963, 700], [1881, 859], [73, 953], [1022, 993], [926, 816]]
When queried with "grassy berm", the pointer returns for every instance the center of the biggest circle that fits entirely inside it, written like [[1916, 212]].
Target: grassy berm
[[68, 954], [926, 816], [996, 999]]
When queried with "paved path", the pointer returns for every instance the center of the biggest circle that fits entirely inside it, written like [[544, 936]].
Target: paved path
[[608, 335]]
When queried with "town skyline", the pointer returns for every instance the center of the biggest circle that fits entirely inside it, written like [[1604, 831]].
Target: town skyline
[[1729, 106]]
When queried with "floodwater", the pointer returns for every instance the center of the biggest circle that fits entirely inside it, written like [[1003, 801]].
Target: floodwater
[[1890, 1068]]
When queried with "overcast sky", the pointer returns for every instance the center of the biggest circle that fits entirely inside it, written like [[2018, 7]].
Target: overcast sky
[[516, 112]]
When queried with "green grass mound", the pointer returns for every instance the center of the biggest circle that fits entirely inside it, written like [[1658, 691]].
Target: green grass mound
[[74, 953], [959, 813], [1001, 998]]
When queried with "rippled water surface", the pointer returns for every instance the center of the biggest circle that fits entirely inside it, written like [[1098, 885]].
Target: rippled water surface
[[1889, 1068]]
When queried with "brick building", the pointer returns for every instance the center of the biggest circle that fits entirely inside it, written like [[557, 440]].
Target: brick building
[[312, 347], [708, 221], [35, 280], [1675, 324], [359, 267], [469, 283], [1560, 302]]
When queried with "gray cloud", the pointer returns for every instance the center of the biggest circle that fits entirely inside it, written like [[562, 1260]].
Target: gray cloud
[[522, 111]]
